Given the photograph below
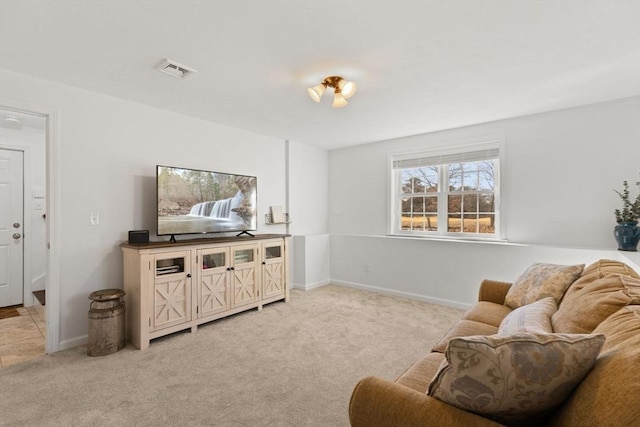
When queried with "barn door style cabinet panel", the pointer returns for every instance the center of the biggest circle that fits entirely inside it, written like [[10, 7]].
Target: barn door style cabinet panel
[[174, 286]]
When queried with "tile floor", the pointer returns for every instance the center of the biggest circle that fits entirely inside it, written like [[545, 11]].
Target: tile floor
[[22, 337]]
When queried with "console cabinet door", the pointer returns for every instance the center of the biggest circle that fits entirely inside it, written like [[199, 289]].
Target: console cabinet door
[[273, 269], [213, 281], [171, 290], [244, 278]]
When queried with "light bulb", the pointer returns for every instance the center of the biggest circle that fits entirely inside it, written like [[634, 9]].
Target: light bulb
[[339, 100], [316, 92], [347, 88]]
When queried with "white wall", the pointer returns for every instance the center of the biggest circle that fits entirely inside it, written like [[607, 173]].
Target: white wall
[[312, 261], [558, 176], [309, 198], [443, 272], [308, 189], [108, 152]]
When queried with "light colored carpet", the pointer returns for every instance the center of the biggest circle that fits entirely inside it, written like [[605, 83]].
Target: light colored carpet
[[292, 364]]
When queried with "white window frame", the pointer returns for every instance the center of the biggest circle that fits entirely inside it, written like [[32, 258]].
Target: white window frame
[[458, 151]]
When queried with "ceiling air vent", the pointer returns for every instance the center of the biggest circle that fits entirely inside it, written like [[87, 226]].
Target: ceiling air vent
[[174, 69]]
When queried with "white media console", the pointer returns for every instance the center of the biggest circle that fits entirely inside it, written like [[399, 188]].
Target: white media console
[[174, 286]]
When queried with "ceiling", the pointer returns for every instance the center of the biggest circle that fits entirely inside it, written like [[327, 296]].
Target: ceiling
[[420, 66]]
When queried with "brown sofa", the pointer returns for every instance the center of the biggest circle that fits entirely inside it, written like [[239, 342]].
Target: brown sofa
[[609, 395]]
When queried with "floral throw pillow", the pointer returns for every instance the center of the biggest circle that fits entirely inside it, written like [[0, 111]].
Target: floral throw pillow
[[541, 281], [514, 379], [534, 317]]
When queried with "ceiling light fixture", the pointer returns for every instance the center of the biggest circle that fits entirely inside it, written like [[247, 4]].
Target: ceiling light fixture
[[342, 90]]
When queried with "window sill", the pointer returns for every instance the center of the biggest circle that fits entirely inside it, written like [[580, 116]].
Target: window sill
[[465, 239]]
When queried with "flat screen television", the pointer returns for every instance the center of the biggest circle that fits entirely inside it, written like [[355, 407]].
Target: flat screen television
[[191, 201]]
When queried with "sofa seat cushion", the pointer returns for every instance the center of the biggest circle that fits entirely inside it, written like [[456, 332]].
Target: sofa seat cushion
[[540, 281], [418, 376], [514, 379], [534, 317], [580, 312], [464, 328], [610, 394], [487, 312]]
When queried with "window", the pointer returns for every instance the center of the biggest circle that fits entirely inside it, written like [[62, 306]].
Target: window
[[453, 194]]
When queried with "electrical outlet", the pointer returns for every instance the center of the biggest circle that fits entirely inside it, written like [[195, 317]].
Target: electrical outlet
[[94, 218]]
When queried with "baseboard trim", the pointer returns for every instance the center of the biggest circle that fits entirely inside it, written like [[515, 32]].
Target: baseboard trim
[[311, 285], [386, 291], [73, 342]]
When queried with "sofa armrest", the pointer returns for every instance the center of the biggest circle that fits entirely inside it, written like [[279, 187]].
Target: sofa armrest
[[381, 403], [493, 291]]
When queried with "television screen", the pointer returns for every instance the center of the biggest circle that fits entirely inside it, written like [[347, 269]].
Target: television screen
[[194, 201]]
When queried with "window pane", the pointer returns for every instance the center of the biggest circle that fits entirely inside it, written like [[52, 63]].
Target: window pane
[[419, 222], [487, 179], [470, 176], [408, 181], [430, 178], [405, 206], [413, 223], [470, 203], [417, 204], [431, 223], [470, 223], [431, 204], [487, 223], [454, 223], [405, 222], [470, 180], [420, 180], [455, 203], [486, 203], [455, 177]]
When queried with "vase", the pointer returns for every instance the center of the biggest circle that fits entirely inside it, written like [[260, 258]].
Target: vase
[[628, 235]]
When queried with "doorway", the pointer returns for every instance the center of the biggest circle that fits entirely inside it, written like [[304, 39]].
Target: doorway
[[11, 226], [23, 235]]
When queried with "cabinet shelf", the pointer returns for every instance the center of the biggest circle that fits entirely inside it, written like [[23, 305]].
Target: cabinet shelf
[[161, 271]]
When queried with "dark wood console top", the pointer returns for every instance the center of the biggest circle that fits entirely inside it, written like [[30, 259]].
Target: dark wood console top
[[202, 241]]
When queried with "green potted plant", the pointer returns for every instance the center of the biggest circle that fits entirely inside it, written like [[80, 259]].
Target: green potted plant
[[627, 232]]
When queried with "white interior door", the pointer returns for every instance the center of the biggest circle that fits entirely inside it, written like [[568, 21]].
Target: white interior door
[[11, 227]]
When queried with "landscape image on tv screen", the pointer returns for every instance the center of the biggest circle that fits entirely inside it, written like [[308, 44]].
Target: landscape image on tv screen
[[195, 201]]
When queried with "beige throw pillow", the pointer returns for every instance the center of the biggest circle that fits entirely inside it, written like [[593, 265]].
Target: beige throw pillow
[[541, 281], [514, 379], [534, 318]]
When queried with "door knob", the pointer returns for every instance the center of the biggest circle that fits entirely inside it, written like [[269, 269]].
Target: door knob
[[16, 225], [17, 236]]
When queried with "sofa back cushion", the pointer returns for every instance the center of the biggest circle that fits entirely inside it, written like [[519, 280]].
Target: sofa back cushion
[[610, 394], [541, 281], [581, 311], [598, 270]]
